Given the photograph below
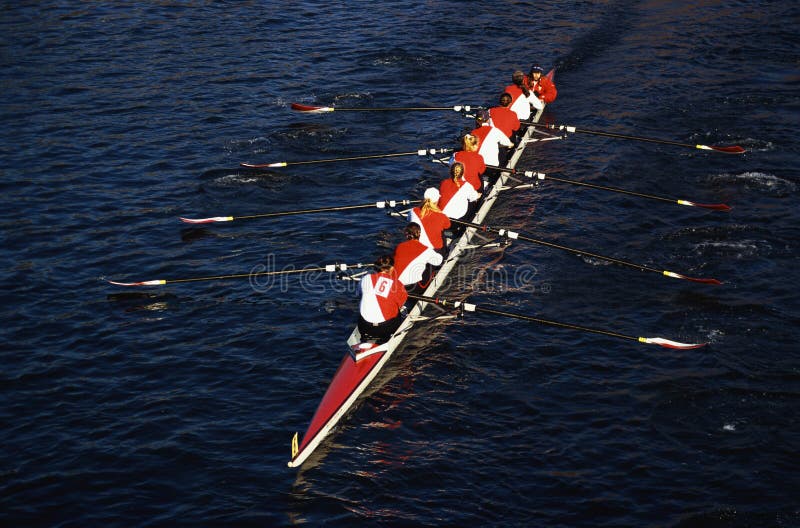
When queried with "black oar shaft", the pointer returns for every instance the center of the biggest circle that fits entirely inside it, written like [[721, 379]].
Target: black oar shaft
[[308, 211], [612, 189], [555, 323], [559, 246], [523, 317], [353, 158]]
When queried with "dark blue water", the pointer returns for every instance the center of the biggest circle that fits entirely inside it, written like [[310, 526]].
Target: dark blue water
[[175, 405]]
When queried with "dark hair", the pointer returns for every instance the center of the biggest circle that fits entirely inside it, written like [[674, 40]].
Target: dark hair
[[384, 263], [413, 231], [505, 97]]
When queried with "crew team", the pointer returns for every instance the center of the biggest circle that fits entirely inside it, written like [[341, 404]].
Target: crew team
[[384, 292]]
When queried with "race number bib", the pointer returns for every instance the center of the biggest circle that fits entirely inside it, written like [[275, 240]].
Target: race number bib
[[383, 286]]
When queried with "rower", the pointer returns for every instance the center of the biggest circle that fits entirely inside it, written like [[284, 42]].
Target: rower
[[474, 166], [521, 97], [541, 85], [414, 261], [432, 220], [503, 118], [458, 196], [489, 139], [382, 297]]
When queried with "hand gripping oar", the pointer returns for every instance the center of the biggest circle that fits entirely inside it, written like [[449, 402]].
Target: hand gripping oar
[[516, 236], [734, 149], [542, 176], [421, 152], [320, 109], [379, 205], [327, 267], [468, 307]]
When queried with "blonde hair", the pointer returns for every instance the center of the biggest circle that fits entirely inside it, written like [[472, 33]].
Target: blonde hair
[[457, 173], [427, 207], [470, 143]]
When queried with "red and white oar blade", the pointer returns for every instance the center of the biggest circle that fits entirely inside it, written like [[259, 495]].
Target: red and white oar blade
[[667, 343], [693, 279], [715, 207], [308, 108], [207, 220], [157, 282], [734, 149]]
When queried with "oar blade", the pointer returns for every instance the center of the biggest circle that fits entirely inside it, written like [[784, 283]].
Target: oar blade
[[715, 207], [733, 149], [207, 220], [311, 109], [158, 282], [263, 165], [668, 343], [692, 279]]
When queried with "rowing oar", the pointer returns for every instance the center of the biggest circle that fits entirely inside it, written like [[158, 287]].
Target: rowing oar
[[421, 152], [319, 109], [327, 267], [542, 176], [379, 205], [734, 149], [468, 307], [516, 236]]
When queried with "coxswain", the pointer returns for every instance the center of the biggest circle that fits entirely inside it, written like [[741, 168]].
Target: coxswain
[[432, 220], [474, 166], [414, 261], [382, 297], [541, 85], [489, 139], [503, 118], [457, 194], [522, 99]]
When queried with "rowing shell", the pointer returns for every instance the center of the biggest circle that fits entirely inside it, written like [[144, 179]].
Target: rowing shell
[[359, 367]]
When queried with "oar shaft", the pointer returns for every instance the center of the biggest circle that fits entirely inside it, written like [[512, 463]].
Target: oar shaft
[[377, 205], [553, 245], [556, 323], [516, 236], [734, 149], [321, 210], [420, 152], [469, 307], [292, 271]]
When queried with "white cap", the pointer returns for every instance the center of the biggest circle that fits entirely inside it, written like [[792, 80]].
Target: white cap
[[432, 193]]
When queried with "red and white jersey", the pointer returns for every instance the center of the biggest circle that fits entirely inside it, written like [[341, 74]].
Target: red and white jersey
[[544, 88], [454, 199], [491, 138], [410, 259], [432, 226], [382, 295], [504, 119], [473, 164], [520, 104]]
